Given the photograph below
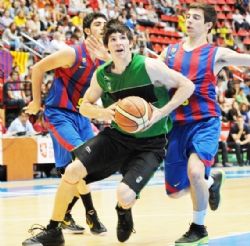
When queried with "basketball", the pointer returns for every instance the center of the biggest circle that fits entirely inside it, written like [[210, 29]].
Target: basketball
[[132, 114]]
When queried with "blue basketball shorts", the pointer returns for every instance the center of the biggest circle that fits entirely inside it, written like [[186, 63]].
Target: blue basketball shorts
[[184, 139], [68, 130]]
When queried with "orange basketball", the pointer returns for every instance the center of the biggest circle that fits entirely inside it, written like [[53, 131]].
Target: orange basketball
[[132, 114]]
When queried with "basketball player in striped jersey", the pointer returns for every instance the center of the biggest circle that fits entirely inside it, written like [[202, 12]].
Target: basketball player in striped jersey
[[74, 67], [197, 121]]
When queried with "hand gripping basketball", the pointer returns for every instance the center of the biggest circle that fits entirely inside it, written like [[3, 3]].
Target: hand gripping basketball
[[132, 114]]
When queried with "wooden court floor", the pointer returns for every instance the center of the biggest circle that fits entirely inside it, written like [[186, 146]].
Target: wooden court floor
[[158, 219]]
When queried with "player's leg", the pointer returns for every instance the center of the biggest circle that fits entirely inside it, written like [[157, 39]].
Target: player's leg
[[92, 219], [69, 135], [137, 172], [52, 234], [201, 149], [68, 224]]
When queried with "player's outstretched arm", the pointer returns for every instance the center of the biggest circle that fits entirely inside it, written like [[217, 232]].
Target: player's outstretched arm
[[227, 57], [62, 58]]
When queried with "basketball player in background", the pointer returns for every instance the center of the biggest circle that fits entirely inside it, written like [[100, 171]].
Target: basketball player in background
[[74, 67], [197, 121], [137, 155]]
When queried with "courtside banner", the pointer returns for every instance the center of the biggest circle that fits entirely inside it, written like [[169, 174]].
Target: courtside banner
[[45, 151]]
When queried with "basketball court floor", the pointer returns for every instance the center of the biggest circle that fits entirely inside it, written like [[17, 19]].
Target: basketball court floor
[[158, 219]]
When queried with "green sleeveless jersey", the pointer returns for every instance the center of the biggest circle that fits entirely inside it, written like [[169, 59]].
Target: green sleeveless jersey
[[134, 81]]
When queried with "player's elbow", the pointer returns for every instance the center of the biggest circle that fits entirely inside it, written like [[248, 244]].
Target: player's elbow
[[190, 87]]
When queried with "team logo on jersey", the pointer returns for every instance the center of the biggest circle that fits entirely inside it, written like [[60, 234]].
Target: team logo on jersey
[[186, 102], [172, 52], [107, 80]]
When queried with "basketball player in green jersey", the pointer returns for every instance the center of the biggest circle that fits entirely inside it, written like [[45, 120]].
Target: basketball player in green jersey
[[137, 155]]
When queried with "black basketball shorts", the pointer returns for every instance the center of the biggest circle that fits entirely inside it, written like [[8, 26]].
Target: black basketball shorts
[[111, 151]]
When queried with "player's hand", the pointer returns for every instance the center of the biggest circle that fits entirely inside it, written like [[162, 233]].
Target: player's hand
[[32, 108], [109, 113], [156, 116], [97, 48]]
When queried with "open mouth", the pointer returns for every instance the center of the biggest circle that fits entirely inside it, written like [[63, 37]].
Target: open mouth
[[119, 50]]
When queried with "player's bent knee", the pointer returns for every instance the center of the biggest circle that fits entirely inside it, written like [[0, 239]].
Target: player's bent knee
[[74, 172], [126, 196]]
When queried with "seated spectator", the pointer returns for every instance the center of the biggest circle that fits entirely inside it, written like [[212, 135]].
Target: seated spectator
[[21, 126], [246, 88], [223, 148], [58, 42], [244, 110], [43, 43], [225, 105], [10, 37], [239, 139], [241, 97], [5, 19], [224, 155], [20, 19], [13, 92], [234, 112]]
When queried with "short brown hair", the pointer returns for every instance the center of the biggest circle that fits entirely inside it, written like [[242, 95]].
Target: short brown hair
[[115, 26]]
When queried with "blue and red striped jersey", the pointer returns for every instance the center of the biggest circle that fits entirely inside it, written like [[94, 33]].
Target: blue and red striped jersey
[[197, 65], [70, 84]]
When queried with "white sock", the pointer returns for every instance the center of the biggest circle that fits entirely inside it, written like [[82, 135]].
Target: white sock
[[199, 217], [209, 181]]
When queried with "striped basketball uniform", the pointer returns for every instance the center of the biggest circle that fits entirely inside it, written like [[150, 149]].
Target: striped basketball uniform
[[196, 122], [136, 155], [68, 128]]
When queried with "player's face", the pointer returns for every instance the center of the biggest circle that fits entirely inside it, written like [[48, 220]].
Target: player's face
[[96, 27], [195, 23], [119, 45]]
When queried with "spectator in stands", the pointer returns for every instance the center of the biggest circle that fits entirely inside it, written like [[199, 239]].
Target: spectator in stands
[[77, 20], [239, 139], [20, 19], [10, 37], [142, 16], [167, 7], [224, 154], [5, 19], [13, 91], [33, 25], [244, 110], [57, 42], [21, 125], [239, 21], [43, 43], [234, 112], [241, 97], [75, 6], [225, 106], [246, 88]]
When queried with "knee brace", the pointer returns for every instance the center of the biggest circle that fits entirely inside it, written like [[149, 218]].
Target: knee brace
[[74, 172], [126, 196]]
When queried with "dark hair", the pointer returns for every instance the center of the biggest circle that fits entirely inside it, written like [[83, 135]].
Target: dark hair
[[89, 18], [115, 26], [208, 10]]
